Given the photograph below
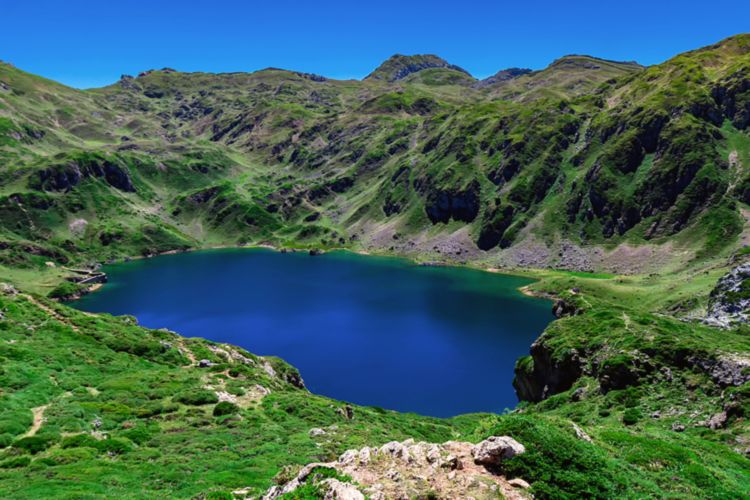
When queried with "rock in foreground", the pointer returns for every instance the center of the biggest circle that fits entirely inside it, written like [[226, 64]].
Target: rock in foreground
[[408, 469]]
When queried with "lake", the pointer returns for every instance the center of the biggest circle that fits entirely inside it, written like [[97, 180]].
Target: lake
[[376, 331]]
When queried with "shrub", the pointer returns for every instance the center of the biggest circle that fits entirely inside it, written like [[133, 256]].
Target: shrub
[[79, 441], [34, 444], [11, 427], [5, 440], [631, 416], [64, 289], [72, 455], [197, 397], [557, 463], [219, 495], [115, 446], [138, 435], [15, 462], [225, 408]]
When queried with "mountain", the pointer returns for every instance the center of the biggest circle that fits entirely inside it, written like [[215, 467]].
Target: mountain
[[398, 67], [503, 76], [622, 189]]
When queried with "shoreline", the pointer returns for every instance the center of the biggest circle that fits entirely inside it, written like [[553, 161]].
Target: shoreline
[[523, 290]]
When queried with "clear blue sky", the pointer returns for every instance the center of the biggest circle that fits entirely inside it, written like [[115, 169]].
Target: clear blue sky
[[87, 43]]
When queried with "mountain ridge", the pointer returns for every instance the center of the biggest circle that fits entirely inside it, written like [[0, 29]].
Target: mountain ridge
[[624, 191]]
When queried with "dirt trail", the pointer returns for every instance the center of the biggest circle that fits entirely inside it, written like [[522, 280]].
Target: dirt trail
[[38, 420], [52, 313]]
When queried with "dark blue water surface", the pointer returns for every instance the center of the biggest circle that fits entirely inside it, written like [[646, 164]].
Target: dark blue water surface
[[375, 331]]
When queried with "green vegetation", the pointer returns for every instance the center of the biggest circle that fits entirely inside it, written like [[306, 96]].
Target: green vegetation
[[635, 180]]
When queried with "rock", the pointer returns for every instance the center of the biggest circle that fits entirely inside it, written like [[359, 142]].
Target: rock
[[395, 449], [336, 490], [78, 227], [546, 374], [656, 414], [315, 251], [316, 431], [519, 483], [578, 394], [678, 427], [349, 457], [502, 76], [581, 434], [717, 421], [347, 412], [66, 177], [204, 363], [442, 206], [7, 289], [450, 462], [492, 451], [729, 302], [725, 371], [562, 309], [364, 456]]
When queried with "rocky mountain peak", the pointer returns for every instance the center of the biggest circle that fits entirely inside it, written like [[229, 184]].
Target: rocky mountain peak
[[580, 61], [398, 66], [503, 75]]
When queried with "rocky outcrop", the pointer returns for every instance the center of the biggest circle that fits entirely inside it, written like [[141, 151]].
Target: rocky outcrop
[[398, 67], [66, 177], [563, 308], [542, 374], [461, 205], [502, 76], [496, 449], [729, 303], [411, 469], [494, 224], [724, 371]]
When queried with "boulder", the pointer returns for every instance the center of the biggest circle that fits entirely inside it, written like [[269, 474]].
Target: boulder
[[494, 450], [337, 490], [717, 421], [519, 483]]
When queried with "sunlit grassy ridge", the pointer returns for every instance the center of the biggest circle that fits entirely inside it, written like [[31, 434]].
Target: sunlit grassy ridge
[[647, 167]]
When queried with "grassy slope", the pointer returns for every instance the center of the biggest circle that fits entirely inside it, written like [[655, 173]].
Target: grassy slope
[[237, 158]]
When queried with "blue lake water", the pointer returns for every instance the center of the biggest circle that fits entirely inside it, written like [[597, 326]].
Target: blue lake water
[[369, 330]]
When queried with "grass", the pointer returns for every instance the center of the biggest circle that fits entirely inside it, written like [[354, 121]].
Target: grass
[[600, 158]]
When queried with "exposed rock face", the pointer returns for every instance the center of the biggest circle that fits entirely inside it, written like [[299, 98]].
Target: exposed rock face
[[562, 308], [729, 303], [66, 177], [725, 371], [398, 67], [492, 451], [541, 376], [408, 470], [717, 421], [503, 75], [495, 222], [461, 205]]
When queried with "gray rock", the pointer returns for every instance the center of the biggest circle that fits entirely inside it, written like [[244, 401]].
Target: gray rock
[[725, 371], [204, 363], [337, 490], [718, 421], [519, 483], [729, 303], [492, 451], [678, 427]]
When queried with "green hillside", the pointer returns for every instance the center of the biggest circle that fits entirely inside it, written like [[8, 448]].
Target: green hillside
[[624, 189]]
